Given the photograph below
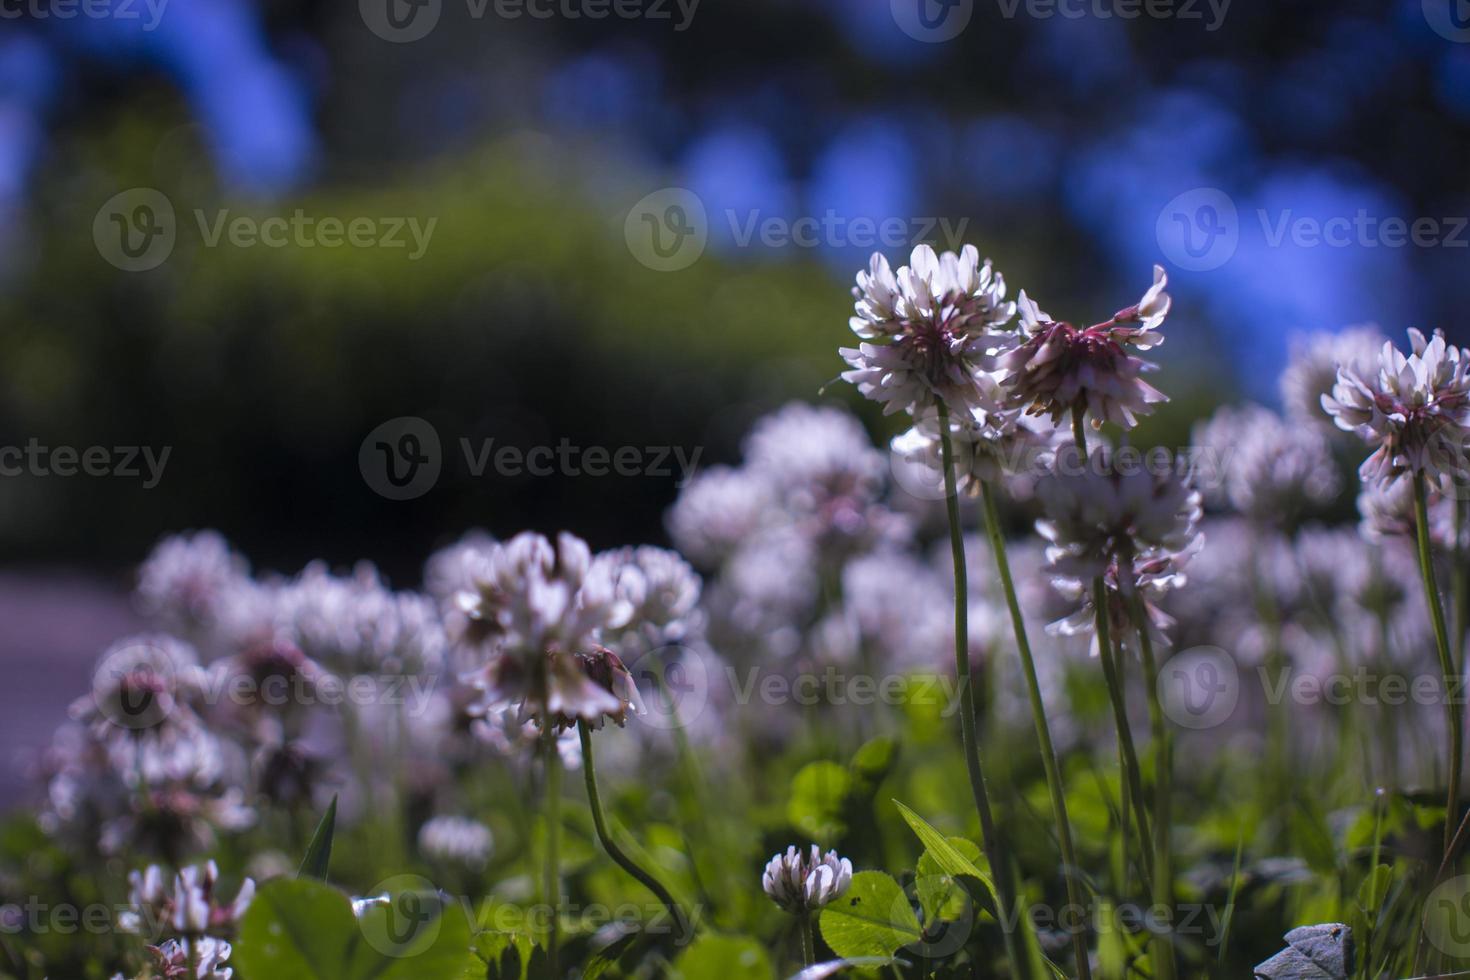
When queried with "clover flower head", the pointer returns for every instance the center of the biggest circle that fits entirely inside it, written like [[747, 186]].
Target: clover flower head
[[662, 591], [188, 578], [1387, 511], [1103, 509], [931, 325], [801, 882], [355, 624], [172, 959], [456, 840], [718, 511], [1311, 368], [184, 904], [1414, 410], [990, 443], [1055, 367], [1263, 466], [1147, 577]]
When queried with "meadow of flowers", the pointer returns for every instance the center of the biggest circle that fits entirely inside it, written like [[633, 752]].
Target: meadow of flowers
[[1011, 696]]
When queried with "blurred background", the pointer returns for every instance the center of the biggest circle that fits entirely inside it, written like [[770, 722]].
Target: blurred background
[[257, 259]]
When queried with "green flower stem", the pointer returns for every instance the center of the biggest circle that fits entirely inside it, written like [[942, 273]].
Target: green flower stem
[[1071, 870], [1163, 890], [808, 939], [1133, 782], [614, 851], [1453, 711], [552, 762], [999, 863]]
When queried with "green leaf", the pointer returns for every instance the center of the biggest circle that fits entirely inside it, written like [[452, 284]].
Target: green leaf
[[946, 855], [713, 957], [305, 930], [872, 918], [817, 796], [940, 894], [319, 851], [1374, 890]]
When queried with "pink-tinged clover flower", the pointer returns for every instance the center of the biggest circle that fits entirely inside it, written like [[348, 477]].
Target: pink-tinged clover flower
[[1056, 367], [927, 329], [1414, 410]]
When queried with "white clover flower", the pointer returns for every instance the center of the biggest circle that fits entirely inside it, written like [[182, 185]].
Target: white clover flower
[[356, 625], [1414, 410], [989, 444], [801, 446], [934, 322], [1102, 509], [1263, 466], [187, 579], [208, 956], [183, 904], [1387, 511], [456, 840], [450, 571], [899, 607], [662, 591], [1056, 367], [804, 882], [541, 608], [718, 511], [1311, 369], [1148, 577]]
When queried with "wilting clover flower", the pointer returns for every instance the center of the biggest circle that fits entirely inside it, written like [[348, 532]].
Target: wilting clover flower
[[1264, 467], [1414, 410], [1311, 368], [183, 904], [1056, 367], [456, 840], [1148, 577], [932, 325], [540, 609], [173, 959], [802, 882]]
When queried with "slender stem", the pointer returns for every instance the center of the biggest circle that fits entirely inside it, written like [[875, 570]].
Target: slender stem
[[1163, 890], [1071, 869], [1133, 783], [614, 851], [552, 762], [1446, 662], [808, 939], [995, 852]]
